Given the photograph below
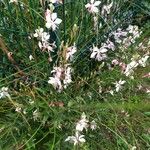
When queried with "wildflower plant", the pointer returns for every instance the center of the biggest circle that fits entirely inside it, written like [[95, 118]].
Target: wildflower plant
[[68, 59]]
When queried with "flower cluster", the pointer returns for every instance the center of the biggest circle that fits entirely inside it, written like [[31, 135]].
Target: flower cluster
[[126, 38], [43, 38], [61, 77], [100, 53], [82, 124], [134, 64]]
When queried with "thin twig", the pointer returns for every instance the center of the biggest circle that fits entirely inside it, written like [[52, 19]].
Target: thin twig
[[9, 55]]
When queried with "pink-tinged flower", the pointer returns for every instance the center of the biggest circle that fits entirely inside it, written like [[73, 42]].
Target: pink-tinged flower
[[118, 85], [61, 77], [52, 22], [77, 139], [70, 51], [45, 46], [123, 66], [99, 54], [146, 75], [56, 83], [93, 6], [115, 62], [57, 72]]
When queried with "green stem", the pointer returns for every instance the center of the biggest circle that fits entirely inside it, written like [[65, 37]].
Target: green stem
[[64, 22]]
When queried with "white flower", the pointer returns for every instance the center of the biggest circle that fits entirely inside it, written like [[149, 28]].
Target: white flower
[[70, 51], [13, 1], [148, 91], [118, 85], [56, 1], [61, 77], [143, 61], [99, 54], [110, 45], [106, 8], [129, 68], [57, 71], [111, 92], [36, 115], [45, 46], [133, 148], [115, 62], [31, 57], [52, 21], [56, 83], [93, 125], [4, 92], [43, 36], [38, 32], [67, 80], [18, 109], [92, 6], [82, 123], [77, 139]]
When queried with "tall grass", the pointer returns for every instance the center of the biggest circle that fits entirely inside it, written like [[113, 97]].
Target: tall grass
[[35, 115]]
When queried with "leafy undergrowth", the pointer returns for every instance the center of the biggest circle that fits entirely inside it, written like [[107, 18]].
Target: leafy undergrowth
[[84, 84]]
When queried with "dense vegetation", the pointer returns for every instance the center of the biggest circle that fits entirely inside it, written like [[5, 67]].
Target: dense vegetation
[[74, 74]]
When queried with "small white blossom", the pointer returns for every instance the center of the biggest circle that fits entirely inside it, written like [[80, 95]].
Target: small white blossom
[[93, 125], [67, 80], [129, 68], [13, 1], [4, 92], [36, 115], [148, 91], [99, 54], [111, 92], [31, 57], [82, 123], [18, 109], [56, 83], [56, 1], [45, 46], [118, 85], [133, 148], [51, 20], [38, 32], [70, 51], [61, 77], [143, 61], [93, 6], [106, 9], [77, 139], [43, 36]]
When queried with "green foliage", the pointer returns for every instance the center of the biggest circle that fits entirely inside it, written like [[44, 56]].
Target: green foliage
[[48, 117]]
